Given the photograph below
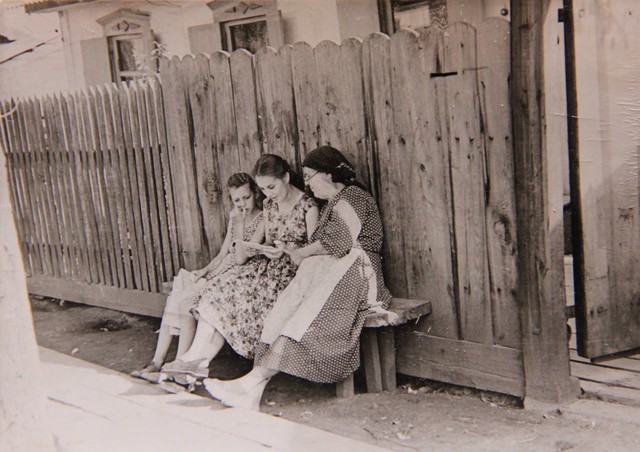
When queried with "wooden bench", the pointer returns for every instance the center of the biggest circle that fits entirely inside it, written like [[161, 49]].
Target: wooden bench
[[379, 347]]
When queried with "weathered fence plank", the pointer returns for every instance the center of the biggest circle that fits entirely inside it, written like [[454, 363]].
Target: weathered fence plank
[[153, 238], [493, 71], [307, 97], [114, 186], [342, 122], [246, 108], [144, 234], [276, 105], [99, 168], [469, 183], [68, 225], [379, 106], [165, 267], [161, 130], [16, 192], [77, 155], [188, 215], [30, 168], [97, 186], [71, 191], [131, 197], [140, 264], [420, 152], [86, 179], [117, 185], [202, 91]]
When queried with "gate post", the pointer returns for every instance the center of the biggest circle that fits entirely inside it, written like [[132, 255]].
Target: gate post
[[540, 295], [23, 397]]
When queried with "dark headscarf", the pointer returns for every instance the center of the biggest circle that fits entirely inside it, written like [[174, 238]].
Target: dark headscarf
[[329, 160]]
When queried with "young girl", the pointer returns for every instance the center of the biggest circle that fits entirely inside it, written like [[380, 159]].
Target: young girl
[[245, 224]]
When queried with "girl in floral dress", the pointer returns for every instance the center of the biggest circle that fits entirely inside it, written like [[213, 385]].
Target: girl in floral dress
[[232, 306], [245, 224], [314, 328]]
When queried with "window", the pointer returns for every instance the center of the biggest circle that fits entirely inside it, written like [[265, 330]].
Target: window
[[396, 14], [127, 57], [246, 25], [129, 40], [250, 34]]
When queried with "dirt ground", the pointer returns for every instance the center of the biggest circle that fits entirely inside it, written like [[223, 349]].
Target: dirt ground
[[420, 415]]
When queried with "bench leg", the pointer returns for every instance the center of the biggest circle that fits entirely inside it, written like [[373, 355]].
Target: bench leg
[[371, 356], [387, 345], [344, 388]]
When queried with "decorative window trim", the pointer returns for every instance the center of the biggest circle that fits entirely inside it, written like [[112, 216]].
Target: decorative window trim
[[226, 11], [127, 24]]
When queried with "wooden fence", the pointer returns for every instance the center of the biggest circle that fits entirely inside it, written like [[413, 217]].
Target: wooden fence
[[91, 191], [424, 117]]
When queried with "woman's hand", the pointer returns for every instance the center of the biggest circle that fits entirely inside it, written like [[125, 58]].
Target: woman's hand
[[275, 253], [243, 253], [294, 253]]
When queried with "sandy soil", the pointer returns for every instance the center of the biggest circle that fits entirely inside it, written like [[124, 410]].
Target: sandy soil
[[419, 415]]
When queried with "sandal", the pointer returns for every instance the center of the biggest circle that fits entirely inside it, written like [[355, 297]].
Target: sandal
[[151, 367], [194, 368], [249, 400]]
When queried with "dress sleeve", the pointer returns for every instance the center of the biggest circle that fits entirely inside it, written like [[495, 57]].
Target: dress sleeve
[[341, 231]]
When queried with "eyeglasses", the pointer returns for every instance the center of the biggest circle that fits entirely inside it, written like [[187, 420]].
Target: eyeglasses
[[307, 178]]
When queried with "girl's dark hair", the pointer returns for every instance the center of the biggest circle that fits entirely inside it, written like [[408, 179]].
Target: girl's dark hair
[[275, 166], [329, 160], [238, 180]]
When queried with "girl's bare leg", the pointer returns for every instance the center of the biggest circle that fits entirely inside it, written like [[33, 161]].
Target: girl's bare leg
[[162, 346], [187, 333], [207, 342]]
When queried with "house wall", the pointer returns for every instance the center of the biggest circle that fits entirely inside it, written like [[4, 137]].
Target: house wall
[[311, 21], [23, 75], [474, 12], [169, 23]]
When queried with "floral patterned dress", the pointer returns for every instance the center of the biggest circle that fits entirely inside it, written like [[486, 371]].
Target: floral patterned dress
[[180, 300], [313, 331], [236, 302]]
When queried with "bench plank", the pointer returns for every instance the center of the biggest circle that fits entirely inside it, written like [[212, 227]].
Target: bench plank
[[404, 308]]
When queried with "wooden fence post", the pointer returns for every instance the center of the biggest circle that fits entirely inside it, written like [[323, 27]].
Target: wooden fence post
[[540, 246], [22, 397]]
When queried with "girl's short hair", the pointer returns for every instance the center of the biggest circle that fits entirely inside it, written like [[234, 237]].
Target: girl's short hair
[[238, 180]]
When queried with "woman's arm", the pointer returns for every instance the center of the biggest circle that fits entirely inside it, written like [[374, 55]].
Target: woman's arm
[[243, 254], [224, 250], [311, 220]]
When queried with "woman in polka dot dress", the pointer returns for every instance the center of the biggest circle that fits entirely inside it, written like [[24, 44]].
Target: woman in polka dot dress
[[314, 328]]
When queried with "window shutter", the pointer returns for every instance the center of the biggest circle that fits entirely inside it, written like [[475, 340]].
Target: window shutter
[[95, 61], [274, 28], [204, 39]]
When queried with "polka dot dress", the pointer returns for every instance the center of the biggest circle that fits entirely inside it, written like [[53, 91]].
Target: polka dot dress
[[329, 351]]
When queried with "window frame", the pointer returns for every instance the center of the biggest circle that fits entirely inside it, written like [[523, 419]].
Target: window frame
[[227, 38]]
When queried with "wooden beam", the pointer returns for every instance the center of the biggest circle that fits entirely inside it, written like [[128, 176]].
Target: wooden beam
[[480, 366], [540, 240], [126, 300]]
